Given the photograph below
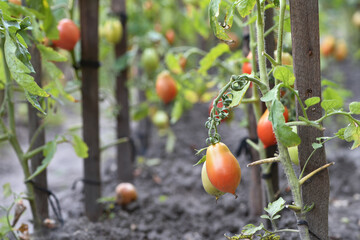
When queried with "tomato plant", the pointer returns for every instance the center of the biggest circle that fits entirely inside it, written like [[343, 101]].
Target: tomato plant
[[222, 168], [166, 87], [265, 129], [219, 105], [69, 34]]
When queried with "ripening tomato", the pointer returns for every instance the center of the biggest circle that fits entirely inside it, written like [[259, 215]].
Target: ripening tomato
[[209, 188], [327, 46], [166, 87], [150, 60], [247, 68], [265, 130], [113, 30], [17, 2], [341, 50], [125, 193], [69, 34], [222, 168], [219, 105], [170, 36]]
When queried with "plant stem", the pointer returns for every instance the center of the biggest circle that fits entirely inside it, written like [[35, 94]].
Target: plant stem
[[116, 142], [263, 161], [280, 34], [304, 179]]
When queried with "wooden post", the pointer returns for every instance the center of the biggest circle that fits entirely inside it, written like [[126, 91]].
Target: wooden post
[[306, 54], [90, 104], [41, 197], [125, 158]]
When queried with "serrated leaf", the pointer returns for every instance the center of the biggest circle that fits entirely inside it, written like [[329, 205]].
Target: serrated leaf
[[330, 105], [49, 54], [354, 107], [177, 111], [238, 96], [275, 207], [34, 101], [202, 160], [245, 6], [7, 190], [173, 63], [316, 145], [49, 152], [284, 74], [214, 12], [271, 95], [352, 133], [312, 101], [80, 147], [251, 229], [209, 59]]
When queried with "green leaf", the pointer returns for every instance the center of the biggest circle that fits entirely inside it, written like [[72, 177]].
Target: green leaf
[[177, 111], [173, 63], [272, 94], [80, 147], [316, 145], [7, 190], [251, 229], [34, 101], [238, 96], [202, 160], [284, 74], [354, 107], [140, 112], [49, 152], [312, 101], [214, 12], [276, 115], [265, 217], [340, 133], [330, 105], [333, 94], [245, 6], [352, 133], [209, 59], [49, 54], [287, 137], [275, 207], [106, 199]]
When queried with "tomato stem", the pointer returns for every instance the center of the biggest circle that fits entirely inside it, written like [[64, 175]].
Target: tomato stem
[[263, 161], [307, 177]]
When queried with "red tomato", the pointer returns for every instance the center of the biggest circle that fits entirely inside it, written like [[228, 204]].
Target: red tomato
[[265, 130], [166, 87], [246, 68], [125, 193], [222, 168], [69, 34]]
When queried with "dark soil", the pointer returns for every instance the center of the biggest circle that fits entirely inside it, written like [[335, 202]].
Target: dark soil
[[171, 201]]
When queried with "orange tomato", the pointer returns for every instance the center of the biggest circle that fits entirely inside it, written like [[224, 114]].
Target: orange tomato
[[247, 68], [341, 50], [222, 168], [125, 193], [170, 36], [166, 87], [265, 130], [69, 34], [327, 46]]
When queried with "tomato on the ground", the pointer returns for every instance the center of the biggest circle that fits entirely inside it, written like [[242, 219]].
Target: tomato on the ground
[[125, 193]]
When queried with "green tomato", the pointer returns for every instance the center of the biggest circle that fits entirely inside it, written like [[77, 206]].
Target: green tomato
[[294, 154], [150, 60], [160, 119], [209, 188], [112, 31]]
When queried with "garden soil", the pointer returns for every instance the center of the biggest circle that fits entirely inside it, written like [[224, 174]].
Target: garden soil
[[171, 202]]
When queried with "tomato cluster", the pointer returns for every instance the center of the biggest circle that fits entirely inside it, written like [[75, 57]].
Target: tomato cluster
[[221, 172], [265, 130]]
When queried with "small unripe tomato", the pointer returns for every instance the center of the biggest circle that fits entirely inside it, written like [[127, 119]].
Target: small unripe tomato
[[327, 46], [209, 188], [17, 2], [170, 36], [166, 87], [125, 193], [222, 168], [150, 60], [341, 50], [246, 67], [294, 154], [356, 19], [265, 130], [160, 119], [113, 31], [69, 34]]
